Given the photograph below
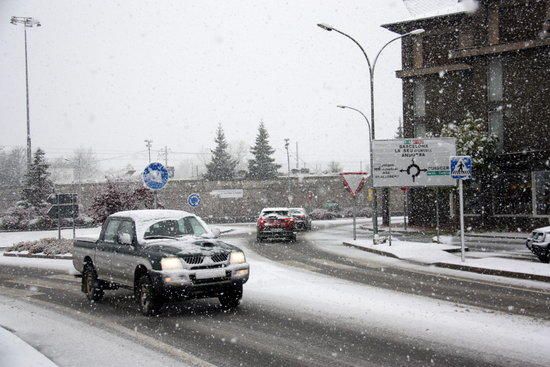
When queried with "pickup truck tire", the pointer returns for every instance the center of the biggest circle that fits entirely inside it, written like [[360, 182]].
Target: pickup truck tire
[[231, 298], [90, 284], [149, 302]]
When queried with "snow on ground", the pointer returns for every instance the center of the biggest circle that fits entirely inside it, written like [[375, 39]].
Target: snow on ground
[[433, 253], [316, 296], [427, 253], [17, 353], [9, 238], [495, 263], [69, 342], [364, 308], [41, 263]]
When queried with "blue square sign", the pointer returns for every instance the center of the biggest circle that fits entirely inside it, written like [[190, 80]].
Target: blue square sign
[[461, 167]]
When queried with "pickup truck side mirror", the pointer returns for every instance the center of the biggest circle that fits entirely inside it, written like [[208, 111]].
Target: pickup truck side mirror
[[216, 232], [124, 239]]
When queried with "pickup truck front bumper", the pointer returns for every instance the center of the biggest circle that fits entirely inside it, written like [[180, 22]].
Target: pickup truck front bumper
[[199, 283]]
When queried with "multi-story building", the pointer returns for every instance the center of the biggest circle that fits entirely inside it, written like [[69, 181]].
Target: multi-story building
[[493, 63]]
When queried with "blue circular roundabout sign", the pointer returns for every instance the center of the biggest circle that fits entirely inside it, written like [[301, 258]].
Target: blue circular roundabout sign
[[155, 176], [194, 200]]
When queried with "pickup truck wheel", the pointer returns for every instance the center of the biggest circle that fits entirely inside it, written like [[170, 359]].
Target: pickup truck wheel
[[149, 302], [231, 298], [544, 258], [90, 284]]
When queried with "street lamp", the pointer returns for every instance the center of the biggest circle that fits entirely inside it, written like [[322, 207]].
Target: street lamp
[[27, 23], [372, 67]]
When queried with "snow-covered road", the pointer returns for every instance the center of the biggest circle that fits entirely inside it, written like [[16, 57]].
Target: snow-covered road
[[291, 314]]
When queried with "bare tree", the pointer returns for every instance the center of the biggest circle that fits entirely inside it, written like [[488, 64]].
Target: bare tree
[[12, 166], [84, 164], [334, 167]]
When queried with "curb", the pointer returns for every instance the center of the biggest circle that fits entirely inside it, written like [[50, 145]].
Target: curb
[[471, 269], [39, 256], [502, 273], [377, 252]]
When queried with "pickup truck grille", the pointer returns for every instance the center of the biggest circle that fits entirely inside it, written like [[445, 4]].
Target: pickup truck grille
[[219, 257], [193, 260]]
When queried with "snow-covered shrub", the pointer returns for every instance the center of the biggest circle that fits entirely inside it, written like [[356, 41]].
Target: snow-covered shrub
[[117, 196], [24, 218], [48, 246], [319, 214]]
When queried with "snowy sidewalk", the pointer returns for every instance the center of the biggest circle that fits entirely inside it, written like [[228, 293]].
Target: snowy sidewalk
[[16, 353], [446, 256]]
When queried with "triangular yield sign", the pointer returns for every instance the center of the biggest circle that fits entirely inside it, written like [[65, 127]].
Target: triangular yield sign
[[354, 181]]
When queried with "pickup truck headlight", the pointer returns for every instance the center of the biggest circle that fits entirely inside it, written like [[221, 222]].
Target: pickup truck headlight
[[237, 257], [171, 263]]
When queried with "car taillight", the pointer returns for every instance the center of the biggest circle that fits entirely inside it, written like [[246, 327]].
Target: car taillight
[[261, 223], [289, 222]]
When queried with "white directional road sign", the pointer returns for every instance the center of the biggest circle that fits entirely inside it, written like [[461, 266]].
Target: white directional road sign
[[228, 193], [412, 162]]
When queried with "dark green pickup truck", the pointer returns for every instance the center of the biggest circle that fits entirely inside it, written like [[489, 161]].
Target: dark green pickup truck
[[161, 255]]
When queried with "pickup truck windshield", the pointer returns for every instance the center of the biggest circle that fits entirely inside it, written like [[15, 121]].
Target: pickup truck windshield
[[175, 228]]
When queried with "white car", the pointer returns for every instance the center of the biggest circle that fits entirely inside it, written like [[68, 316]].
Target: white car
[[539, 243]]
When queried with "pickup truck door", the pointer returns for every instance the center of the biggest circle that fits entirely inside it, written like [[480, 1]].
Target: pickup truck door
[[125, 257], [105, 249]]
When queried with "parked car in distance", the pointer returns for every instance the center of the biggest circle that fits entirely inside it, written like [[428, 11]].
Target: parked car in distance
[[539, 243], [161, 255], [275, 223], [302, 221]]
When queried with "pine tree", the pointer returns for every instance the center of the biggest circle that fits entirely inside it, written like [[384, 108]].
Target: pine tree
[[262, 166], [222, 165], [37, 182]]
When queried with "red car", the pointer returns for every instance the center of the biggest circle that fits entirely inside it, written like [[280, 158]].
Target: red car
[[275, 223]]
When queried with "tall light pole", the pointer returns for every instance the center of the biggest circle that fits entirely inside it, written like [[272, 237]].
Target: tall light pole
[[371, 67], [370, 153], [27, 23]]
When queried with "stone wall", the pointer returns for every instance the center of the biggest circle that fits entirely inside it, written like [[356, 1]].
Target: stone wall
[[257, 195]]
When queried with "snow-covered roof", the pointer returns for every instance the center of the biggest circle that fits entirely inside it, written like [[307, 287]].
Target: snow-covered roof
[[273, 209], [430, 9], [146, 218], [152, 214], [542, 229]]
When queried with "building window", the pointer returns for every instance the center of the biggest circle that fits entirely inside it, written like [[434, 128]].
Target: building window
[[419, 98], [541, 193], [494, 81], [512, 193], [496, 127]]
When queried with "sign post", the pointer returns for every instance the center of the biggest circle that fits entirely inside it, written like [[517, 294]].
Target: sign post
[[354, 182], [63, 206], [461, 169], [155, 176]]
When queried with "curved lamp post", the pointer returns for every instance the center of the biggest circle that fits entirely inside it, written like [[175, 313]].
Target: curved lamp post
[[372, 67]]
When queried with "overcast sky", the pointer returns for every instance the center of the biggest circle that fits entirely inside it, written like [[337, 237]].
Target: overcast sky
[[109, 74]]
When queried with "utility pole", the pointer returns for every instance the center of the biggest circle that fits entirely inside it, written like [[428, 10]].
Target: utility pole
[[288, 163], [165, 156], [149, 144], [27, 23], [297, 158]]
